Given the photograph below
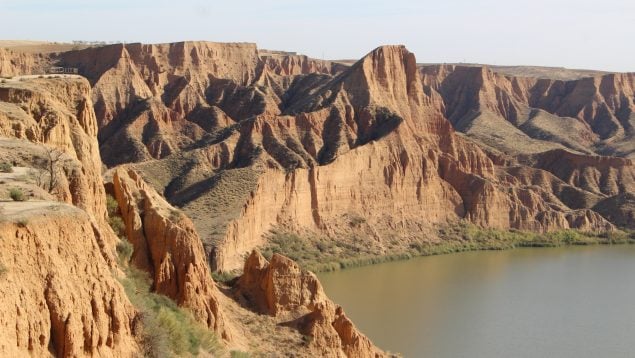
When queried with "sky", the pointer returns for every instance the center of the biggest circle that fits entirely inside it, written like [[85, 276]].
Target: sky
[[587, 34]]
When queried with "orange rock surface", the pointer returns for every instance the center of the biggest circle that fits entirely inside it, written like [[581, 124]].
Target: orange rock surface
[[59, 296], [281, 289], [168, 248]]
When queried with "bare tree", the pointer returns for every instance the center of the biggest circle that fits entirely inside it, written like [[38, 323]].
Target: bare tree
[[49, 177], [54, 156]]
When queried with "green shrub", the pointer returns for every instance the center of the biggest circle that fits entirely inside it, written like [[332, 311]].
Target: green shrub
[[124, 250], [114, 217], [238, 354], [321, 254], [3, 270], [175, 215], [224, 276], [117, 225], [111, 205], [16, 194], [167, 330], [6, 167]]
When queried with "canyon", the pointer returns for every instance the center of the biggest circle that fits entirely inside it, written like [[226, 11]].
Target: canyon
[[213, 151]]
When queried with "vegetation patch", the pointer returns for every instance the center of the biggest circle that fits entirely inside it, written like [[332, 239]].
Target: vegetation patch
[[3, 270], [320, 254], [6, 167], [114, 217], [124, 251], [225, 277], [16, 194], [165, 329]]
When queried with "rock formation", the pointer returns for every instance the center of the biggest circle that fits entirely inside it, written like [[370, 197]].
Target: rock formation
[[59, 114], [59, 296], [168, 248], [69, 250], [281, 289], [14, 63], [520, 114], [374, 142], [61, 292]]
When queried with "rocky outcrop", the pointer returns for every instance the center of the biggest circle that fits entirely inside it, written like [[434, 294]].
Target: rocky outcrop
[[280, 288], [593, 114], [620, 209], [59, 295], [596, 174], [155, 100], [59, 114], [13, 63], [291, 65], [168, 248]]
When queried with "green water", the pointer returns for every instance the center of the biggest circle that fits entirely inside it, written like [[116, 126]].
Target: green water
[[547, 302]]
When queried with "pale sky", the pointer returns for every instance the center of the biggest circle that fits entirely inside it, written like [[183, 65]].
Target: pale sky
[[587, 34]]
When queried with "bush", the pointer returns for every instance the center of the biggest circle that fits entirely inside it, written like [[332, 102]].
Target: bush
[[117, 225], [175, 215], [124, 250], [3, 270], [224, 276], [111, 205], [238, 354], [16, 194], [114, 217], [167, 330], [6, 167]]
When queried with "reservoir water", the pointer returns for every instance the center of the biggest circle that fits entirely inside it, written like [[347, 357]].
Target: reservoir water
[[543, 302]]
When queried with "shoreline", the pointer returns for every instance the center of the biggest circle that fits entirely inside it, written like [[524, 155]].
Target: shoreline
[[465, 238]]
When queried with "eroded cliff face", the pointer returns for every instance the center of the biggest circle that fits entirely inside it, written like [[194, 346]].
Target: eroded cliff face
[[267, 140], [59, 295], [520, 114], [167, 247], [58, 273], [281, 289], [14, 63], [373, 142], [58, 113], [155, 100]]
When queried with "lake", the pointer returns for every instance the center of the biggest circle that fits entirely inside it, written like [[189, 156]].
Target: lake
[[542, 302]]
